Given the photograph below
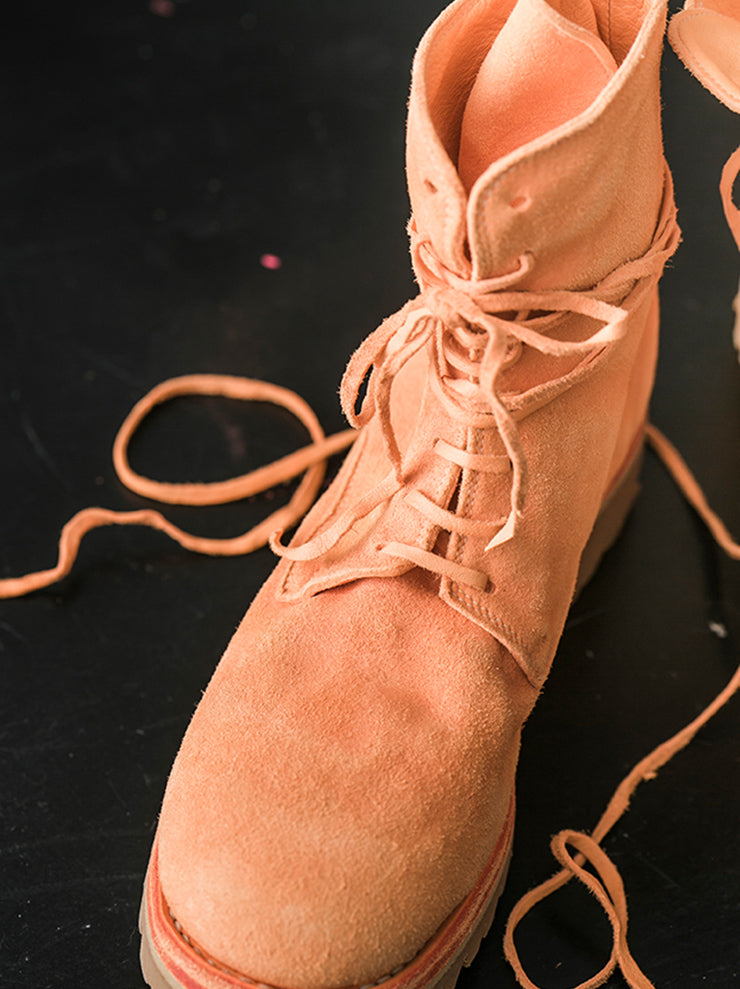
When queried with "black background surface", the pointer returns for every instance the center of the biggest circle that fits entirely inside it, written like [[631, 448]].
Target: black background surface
[[147, 163]]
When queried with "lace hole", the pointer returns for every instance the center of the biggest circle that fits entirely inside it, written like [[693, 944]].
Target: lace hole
[[520, 203], [513, 352], [430, 186]]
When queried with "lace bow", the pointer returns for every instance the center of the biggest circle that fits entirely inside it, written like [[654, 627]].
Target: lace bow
[[473, 331]]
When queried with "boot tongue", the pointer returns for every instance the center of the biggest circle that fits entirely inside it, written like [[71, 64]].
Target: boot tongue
[[544, 68]]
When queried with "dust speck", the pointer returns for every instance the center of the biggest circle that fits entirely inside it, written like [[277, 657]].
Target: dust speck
[[162, 8], [271, 261], [718, 629]]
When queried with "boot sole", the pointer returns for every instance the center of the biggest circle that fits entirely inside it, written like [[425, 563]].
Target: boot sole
[[437, 966], [612, 516], [456, 943]]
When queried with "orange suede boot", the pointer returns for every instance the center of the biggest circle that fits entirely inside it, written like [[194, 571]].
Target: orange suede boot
[[341, 810]]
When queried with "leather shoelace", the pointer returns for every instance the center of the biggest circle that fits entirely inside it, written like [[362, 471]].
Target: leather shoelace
[[311, 461], [604, 880], [602, 877], [464, 336], [732, 213]]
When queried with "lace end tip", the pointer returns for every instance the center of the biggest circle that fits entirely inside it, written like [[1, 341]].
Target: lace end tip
[[504, 534], [274, 541]]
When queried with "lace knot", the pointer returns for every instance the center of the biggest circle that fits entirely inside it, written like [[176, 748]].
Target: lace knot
[[472, 331]]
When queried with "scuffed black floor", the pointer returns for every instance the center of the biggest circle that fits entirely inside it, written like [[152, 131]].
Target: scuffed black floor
[[150, 157]]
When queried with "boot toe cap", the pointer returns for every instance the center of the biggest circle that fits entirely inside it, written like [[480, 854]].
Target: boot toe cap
[[324, 817]]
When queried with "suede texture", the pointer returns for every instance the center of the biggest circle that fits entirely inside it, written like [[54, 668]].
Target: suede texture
[[573, 63], [347, 774], [592, 200], [342, 784]]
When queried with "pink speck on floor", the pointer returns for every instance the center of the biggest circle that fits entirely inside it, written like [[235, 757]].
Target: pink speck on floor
[[271, 261], [162, 8]]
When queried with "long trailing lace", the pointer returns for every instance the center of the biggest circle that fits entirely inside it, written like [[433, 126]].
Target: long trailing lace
[[590, 864], [311, 460]]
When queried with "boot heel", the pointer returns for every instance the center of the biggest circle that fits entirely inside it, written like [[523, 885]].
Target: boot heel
[[611, 518]]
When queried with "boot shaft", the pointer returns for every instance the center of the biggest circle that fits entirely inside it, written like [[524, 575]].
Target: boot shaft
[[580, 199]]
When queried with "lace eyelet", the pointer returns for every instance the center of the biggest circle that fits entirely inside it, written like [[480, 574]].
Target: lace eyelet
[[513, 353]]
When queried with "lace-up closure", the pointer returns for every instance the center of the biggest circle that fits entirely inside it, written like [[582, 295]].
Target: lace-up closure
[[474, 331]]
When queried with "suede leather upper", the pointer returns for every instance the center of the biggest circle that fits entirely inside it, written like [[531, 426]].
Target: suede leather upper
[[614, 183]]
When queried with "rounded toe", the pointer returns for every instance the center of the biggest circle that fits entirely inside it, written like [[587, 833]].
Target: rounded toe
[[326, 814]]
